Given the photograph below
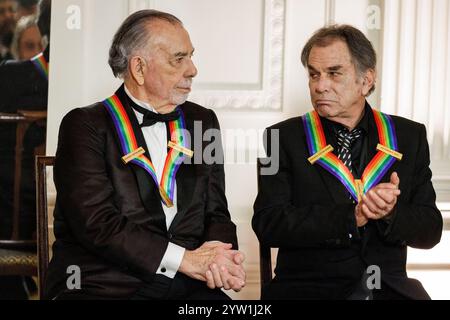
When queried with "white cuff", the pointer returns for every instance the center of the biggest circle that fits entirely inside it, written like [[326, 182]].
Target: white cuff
[[171, 260]]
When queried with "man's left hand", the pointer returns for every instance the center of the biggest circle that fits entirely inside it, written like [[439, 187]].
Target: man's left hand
[[380, 201]]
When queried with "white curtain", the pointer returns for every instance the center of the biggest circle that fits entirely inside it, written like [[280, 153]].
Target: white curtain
[[415, 77]]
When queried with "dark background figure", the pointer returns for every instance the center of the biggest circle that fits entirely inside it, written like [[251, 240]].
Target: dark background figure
[[7, 26], [22, 87], [27, 41], [26, 8]]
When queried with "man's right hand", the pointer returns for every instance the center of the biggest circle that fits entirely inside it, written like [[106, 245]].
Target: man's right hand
[[217, 264], [361, 219]]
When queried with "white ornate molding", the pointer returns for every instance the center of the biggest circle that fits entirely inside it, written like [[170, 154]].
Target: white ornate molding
[[269, 95]]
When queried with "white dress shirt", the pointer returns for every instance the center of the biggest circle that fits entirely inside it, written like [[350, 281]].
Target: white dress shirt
[[156, 139]]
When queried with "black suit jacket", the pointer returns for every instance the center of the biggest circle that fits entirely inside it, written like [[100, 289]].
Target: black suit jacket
[[22, 87], [307, 213], [108, 217]]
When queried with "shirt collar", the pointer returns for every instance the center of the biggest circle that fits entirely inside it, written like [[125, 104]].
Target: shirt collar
[[139, 102], [363, 124]]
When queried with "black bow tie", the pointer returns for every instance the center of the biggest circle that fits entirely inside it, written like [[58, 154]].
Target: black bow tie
[[150, 117]]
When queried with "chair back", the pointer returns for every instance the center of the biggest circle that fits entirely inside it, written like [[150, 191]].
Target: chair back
[[17, 256], [23, 119], [42, 219]]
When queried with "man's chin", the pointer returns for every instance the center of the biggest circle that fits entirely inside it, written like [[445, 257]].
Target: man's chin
[[179, 99], [324, 110]]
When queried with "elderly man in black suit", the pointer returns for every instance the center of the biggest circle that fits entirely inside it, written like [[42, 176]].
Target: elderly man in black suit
[[138, 217], [353, 188]]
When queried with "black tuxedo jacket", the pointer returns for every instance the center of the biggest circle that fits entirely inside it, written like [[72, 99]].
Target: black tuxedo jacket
[[307, 213], [109, 219]]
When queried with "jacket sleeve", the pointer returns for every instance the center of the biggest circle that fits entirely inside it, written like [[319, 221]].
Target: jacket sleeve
[[277, 222], [86, 196], [417, 222], [218, 224]]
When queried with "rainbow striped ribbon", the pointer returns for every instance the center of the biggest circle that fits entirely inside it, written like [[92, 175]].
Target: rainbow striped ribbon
[[41, 64], [129, 145], [374, 171]]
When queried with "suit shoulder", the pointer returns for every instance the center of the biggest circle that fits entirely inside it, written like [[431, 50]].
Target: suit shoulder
[[196, 112], [12, 72], [406, 124], [93, 113], [289, 124], [194, 108], [14, 66]]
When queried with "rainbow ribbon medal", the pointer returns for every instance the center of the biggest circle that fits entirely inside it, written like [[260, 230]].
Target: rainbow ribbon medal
[[136, 155], [41, 64], [322, 154]]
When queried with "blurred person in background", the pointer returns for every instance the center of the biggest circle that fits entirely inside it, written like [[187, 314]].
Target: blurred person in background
[[7, 26], [27, 41]]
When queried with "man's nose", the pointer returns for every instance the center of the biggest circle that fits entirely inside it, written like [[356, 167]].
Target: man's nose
[[322, 84], [191, 71]]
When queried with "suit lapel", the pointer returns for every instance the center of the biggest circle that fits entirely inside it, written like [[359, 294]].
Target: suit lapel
[[185, 177], [337, 190], [148, 190], [372, 140]]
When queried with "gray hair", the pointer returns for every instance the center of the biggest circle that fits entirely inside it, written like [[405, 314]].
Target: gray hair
[[132, 36], [23, 24], [361, 49]]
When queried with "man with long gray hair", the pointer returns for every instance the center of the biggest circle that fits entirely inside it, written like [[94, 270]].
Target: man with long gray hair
[[133, 213]]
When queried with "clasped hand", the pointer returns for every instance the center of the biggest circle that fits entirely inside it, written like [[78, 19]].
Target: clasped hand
[[217, 264], [379, 202]]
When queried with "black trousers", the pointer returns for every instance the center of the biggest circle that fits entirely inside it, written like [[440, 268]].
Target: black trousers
[[179, 288], [161, 288]]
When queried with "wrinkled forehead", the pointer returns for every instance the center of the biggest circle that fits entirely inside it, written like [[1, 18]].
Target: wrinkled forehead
[[335, 52], [168, 36]]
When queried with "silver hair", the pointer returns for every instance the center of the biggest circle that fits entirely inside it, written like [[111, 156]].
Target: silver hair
[[23, 24], [133, 36]]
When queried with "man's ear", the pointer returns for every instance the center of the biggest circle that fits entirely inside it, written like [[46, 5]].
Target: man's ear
[[137, 69], [369, 79]]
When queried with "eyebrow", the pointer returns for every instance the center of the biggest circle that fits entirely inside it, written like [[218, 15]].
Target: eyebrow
[[311, 68], [183, 54], [333, 68]]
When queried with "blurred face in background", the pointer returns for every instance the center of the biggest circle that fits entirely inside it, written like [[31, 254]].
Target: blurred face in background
[[30, 43], [7, 21]]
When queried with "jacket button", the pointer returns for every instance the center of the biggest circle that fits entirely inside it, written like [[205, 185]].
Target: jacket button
[[170, 235]]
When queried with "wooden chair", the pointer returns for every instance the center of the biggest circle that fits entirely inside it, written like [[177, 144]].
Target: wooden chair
[[265, 255], [18, 257], [42, 218]]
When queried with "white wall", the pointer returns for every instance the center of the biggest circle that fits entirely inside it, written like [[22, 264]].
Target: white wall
[[248, 56], [79, 72]]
